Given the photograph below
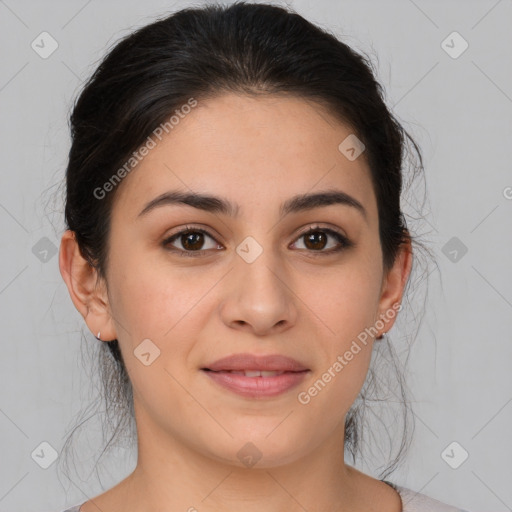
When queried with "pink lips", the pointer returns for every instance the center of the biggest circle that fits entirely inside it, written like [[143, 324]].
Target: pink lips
[[256, 376], [274, 362]]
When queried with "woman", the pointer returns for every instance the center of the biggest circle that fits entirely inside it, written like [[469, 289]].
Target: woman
[[235, 240]]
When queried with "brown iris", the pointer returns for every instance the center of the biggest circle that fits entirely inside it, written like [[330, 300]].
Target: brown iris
[[193, 241], [315, 240]]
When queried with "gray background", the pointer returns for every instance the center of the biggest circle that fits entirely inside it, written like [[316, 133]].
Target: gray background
[[458, 109]]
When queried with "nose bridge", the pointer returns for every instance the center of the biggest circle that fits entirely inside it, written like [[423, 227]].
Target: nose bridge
[[258, 264], [260, 295]]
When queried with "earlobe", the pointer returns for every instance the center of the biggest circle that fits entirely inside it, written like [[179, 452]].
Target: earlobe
[[89, 297]]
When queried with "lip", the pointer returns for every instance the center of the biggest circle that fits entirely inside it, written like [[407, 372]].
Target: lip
[[292, 374], [257, 387], [251, 362]]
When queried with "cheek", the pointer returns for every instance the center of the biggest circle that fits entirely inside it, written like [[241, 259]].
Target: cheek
[[339, 377], [345, 299], [164, 307], [346, 303], [153, 302]]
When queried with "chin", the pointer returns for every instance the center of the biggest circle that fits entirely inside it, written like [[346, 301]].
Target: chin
[[259, 450]]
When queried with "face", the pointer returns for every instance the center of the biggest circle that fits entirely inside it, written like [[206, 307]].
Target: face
[[248, 279]]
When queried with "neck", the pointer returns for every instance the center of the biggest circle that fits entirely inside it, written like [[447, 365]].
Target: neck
[[171, 475]]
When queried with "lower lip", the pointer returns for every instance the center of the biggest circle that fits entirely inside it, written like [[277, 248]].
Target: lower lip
[[257, 387]]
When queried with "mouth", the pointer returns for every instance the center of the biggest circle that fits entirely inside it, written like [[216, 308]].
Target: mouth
[[256, 376]]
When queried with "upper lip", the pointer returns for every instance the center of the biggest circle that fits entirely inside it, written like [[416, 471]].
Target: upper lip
[[251, 362]]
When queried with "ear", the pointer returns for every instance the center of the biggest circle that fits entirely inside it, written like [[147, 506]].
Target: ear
[[88, 293], [393, 286]]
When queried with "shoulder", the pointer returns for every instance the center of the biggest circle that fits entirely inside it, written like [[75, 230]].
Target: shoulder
[[76, 508], [413, 501]]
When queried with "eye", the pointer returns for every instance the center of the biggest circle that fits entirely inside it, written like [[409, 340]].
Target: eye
[[316, 239], [191, 240]]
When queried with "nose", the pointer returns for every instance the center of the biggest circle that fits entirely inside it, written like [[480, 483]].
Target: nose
[[259, 297]]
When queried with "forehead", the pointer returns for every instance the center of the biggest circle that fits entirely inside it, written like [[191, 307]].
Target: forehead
[[252, 150]]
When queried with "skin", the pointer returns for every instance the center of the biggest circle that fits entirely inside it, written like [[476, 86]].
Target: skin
[[291, 300]]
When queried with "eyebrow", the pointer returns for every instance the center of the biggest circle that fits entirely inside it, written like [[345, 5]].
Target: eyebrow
[[214, 204]]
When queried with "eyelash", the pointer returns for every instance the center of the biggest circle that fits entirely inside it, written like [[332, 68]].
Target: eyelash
[[343, 240]]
